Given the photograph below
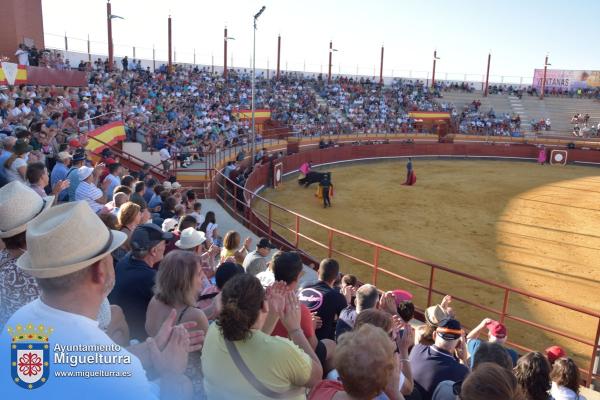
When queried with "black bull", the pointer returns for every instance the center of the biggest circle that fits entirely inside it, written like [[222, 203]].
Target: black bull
[[312, 177]]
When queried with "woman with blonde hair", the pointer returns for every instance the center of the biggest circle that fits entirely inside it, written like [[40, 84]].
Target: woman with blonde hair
[[178, 282], [128, 218], [231, 247]]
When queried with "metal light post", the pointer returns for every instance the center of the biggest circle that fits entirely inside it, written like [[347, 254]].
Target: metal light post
[[278, 54], [381, 68], [546, 64], [487, 76], [435, 58], [331, 50], [253, 144], [225, 39]]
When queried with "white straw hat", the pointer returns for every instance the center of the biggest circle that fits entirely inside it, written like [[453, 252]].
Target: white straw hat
[[176, 185], [190, 238], [167, 185], [19, 204], [66, 239]]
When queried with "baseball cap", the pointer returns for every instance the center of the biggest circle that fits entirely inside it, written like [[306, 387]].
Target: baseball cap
[[401, 295], [449, 329], [84, 172], [146, 236], [264, 243], [496, 329], [74, 143], [554, 353]]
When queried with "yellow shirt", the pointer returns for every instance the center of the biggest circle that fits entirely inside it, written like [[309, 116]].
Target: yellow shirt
[[275, 361], [227, 253]]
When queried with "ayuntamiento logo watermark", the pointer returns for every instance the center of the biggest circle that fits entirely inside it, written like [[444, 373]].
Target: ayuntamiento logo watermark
[[32, 355]]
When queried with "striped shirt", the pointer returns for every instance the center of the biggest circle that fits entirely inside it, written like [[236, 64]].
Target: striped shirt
[[90, 193]]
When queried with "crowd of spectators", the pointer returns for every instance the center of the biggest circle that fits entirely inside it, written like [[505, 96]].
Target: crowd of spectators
[[199, 321], [120, 257]]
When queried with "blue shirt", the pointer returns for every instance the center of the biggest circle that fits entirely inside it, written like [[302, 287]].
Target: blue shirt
[[73, 181], [154, 201], [134, 280], [409, 166], [59, 173], [114, 182]]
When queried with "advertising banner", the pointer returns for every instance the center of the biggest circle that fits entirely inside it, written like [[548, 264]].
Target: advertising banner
[[561, 79]]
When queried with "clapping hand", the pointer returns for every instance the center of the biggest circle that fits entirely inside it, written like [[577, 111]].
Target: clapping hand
[[406, 341], [291, 316], [174, 357], [275, 297], [164, 333], [317, 321], [387, 303], [446, 302], [348, 292], [60, 186]]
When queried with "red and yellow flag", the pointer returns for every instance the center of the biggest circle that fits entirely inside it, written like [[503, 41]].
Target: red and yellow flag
[[108, 134], [429, 115], [12, 74], [259, 114]]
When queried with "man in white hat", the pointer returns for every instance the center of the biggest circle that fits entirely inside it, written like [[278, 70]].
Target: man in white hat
[[19, 204], [59, 172], [74, 277], [193, 240], [87, 189]]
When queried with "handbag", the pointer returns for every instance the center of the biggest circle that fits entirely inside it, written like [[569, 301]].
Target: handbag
[[253, 380]]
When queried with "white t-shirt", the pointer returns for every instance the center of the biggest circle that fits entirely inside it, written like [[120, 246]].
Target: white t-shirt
[[164, 154], [210, 229], [22, 56], [13, 172], [199, 217], [76, 330], [90, 193]]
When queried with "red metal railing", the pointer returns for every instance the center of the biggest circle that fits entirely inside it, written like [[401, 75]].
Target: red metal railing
[[246, 209]]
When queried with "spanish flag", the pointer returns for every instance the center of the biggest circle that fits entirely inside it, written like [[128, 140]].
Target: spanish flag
[[12, 74], [108, 134], [259, 114], [428, 115]]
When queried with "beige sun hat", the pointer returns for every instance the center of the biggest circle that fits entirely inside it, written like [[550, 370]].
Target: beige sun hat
[[66, 239], [19, 204], [190, 238]]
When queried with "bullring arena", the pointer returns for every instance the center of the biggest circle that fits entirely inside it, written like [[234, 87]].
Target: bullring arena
[[486, 210], [423, 224]]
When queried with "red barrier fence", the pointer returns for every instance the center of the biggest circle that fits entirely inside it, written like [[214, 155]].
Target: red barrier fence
[[268, 219], [50, 76]]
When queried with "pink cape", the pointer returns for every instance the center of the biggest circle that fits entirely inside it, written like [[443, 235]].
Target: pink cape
[[305, 168], [542, 156]]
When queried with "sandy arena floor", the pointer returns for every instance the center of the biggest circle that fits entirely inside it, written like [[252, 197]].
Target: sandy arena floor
[[532, 227]]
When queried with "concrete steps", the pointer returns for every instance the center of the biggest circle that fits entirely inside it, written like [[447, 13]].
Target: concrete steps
[[227, 223]]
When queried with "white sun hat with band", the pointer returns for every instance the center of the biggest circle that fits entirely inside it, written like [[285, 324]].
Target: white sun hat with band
[[66, 239], [19, 204]]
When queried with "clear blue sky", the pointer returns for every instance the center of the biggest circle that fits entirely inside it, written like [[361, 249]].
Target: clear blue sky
[[518, 33]]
